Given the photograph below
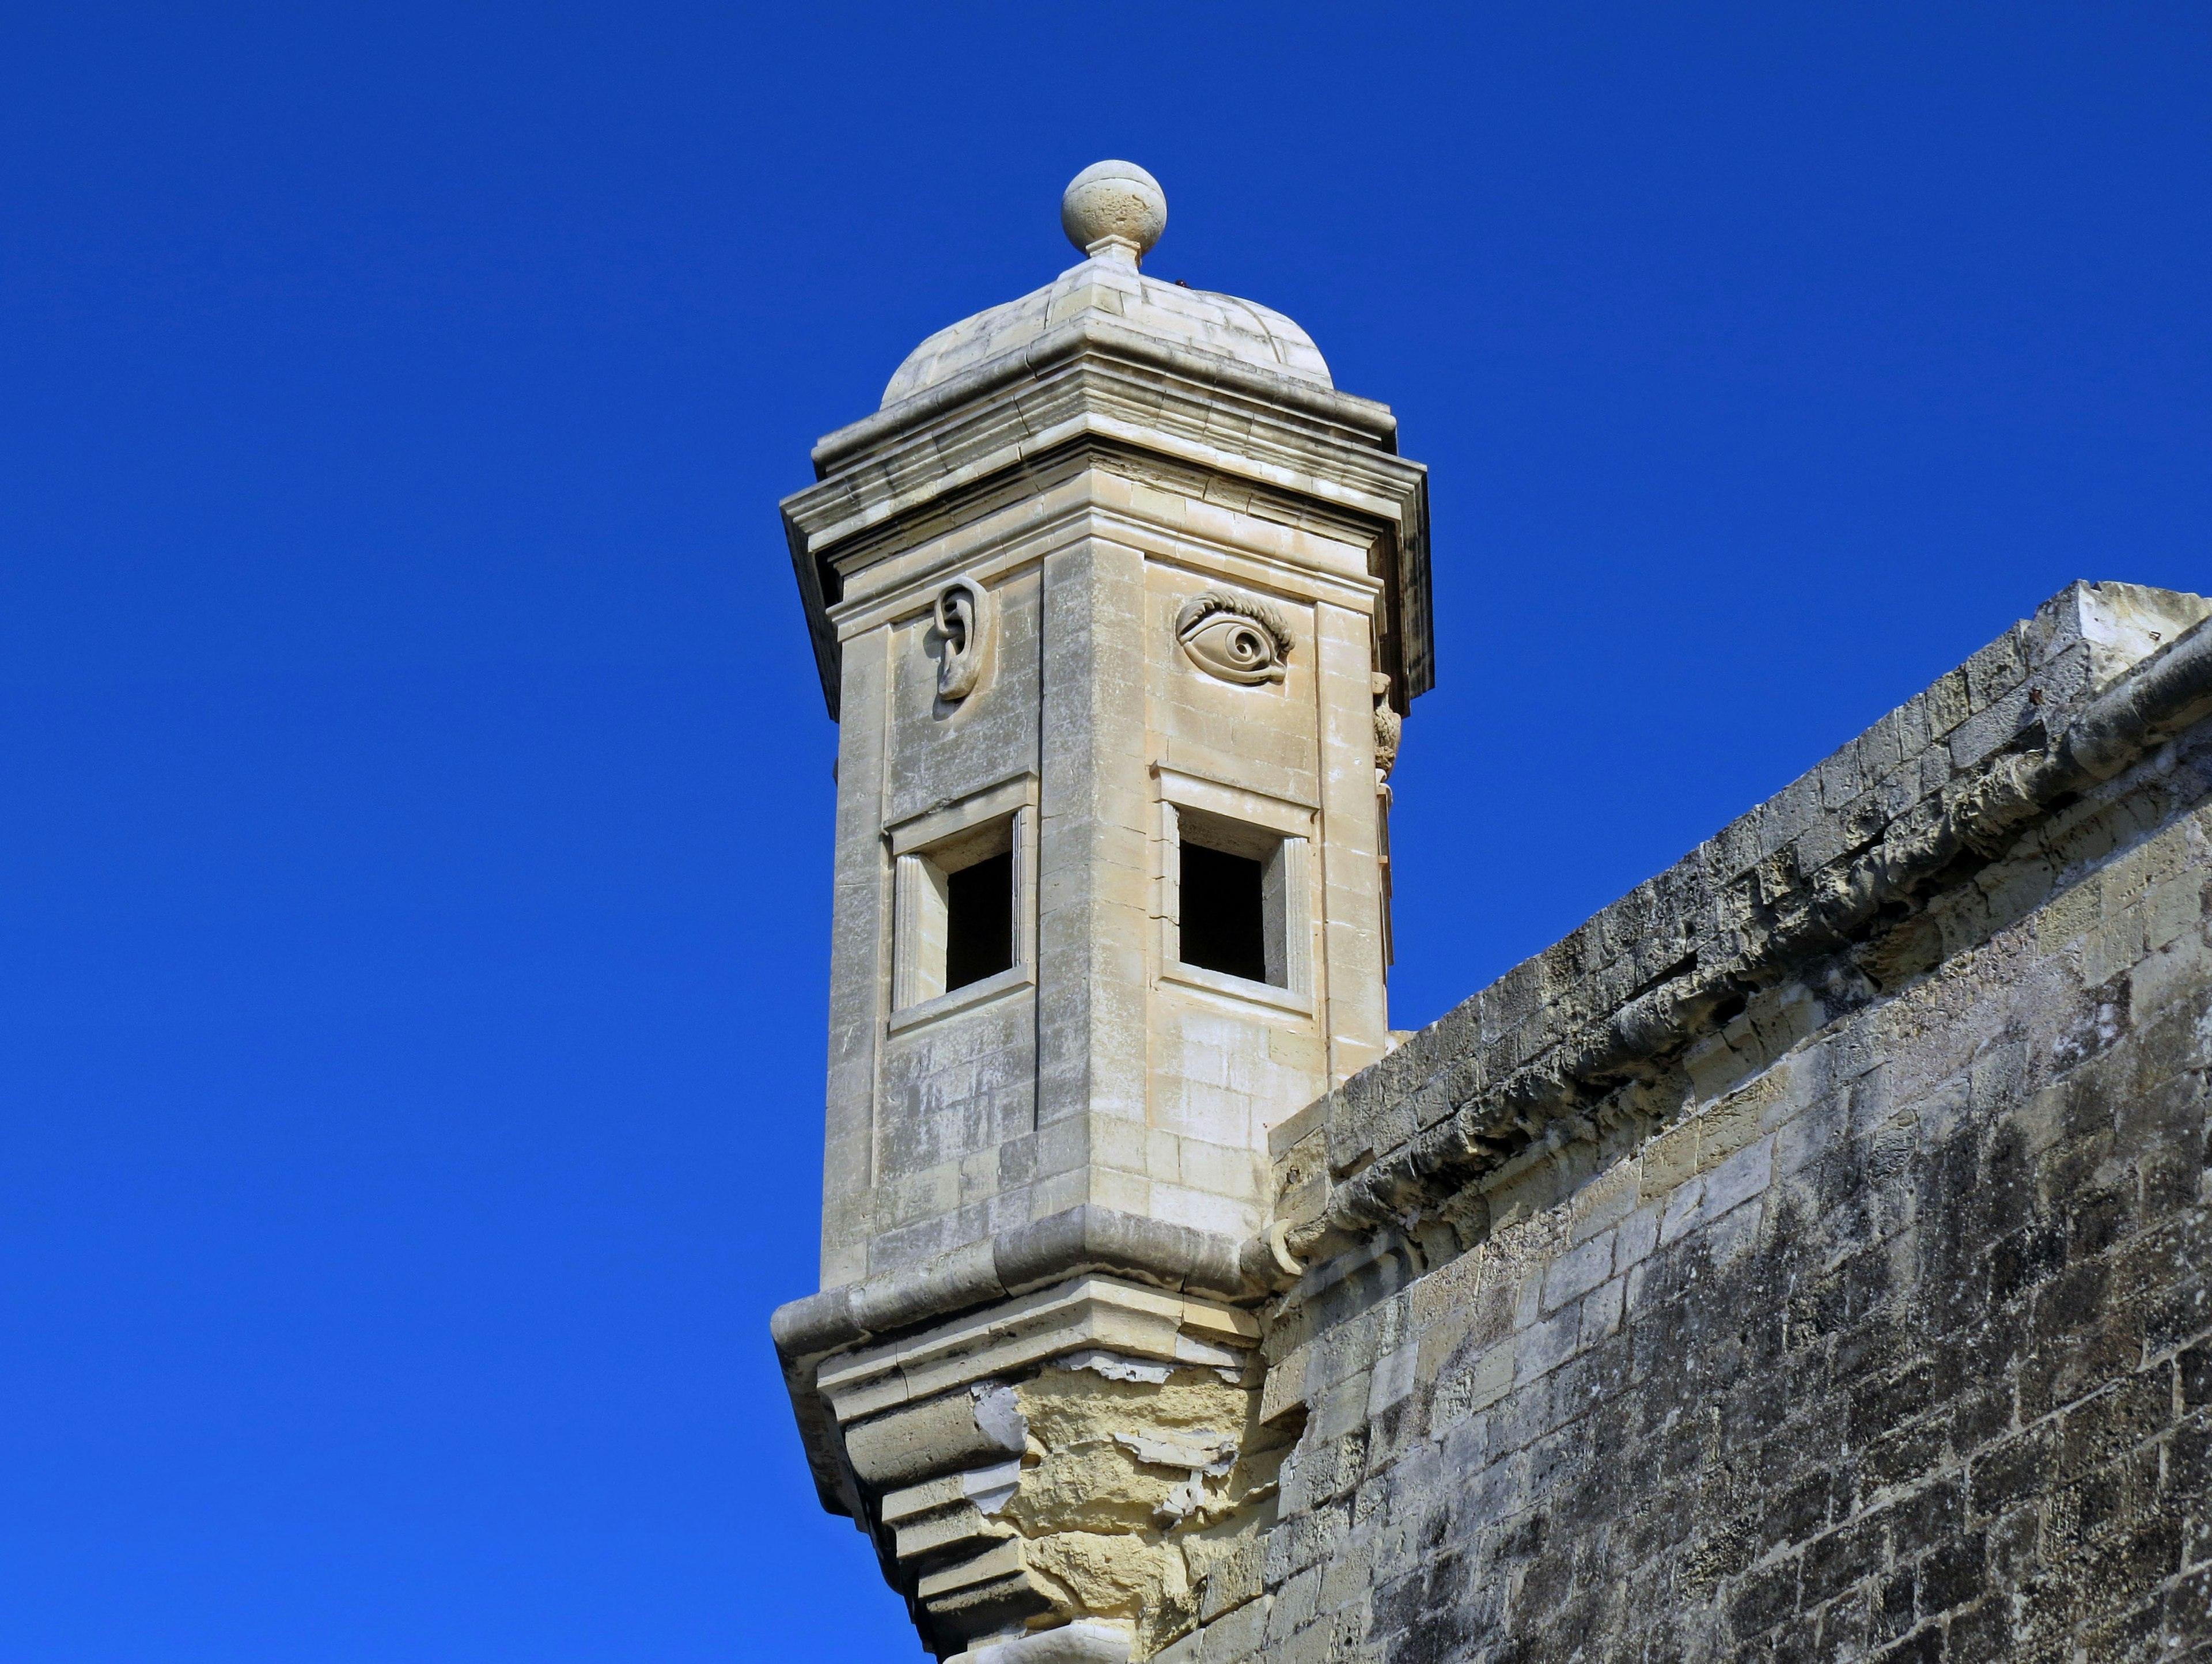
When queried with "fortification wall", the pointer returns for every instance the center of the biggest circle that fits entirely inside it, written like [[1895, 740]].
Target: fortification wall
[[1807, 1258]]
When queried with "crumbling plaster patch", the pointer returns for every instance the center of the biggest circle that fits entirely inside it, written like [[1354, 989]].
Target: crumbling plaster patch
[[1134, 1489]]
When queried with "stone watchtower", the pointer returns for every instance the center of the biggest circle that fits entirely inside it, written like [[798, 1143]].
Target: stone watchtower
[[1118, 604]]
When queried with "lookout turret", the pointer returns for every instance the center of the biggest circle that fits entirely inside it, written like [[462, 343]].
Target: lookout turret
[[1118, 603]]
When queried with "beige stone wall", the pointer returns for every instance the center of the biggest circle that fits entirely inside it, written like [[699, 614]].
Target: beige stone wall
[[1805, 1258], [1026, 1374], [1865, 1316], [1225, 1068], [1108, 1077]]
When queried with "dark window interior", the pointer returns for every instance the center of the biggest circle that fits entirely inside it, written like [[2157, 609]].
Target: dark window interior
[[979, 922], [1224, 921]]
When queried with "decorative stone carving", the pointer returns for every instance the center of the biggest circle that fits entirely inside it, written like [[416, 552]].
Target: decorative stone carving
[[1113, 205], [1234, 640], [964, 628], [1390, 727]]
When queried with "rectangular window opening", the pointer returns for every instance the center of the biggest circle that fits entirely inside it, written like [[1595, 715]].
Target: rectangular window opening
[[1224, 914], [956, 912], [1240, 903], [979, 920]]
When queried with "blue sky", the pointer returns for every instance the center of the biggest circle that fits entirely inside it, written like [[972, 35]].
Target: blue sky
[[411, 1023]]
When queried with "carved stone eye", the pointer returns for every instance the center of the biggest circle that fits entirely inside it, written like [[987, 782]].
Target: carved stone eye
[[1237, 640]]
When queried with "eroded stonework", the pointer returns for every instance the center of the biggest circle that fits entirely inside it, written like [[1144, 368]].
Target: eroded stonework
[[1805, 1259], [1870, 1322]]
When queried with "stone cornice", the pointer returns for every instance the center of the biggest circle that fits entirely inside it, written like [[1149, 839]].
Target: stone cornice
[[1028, 1257], [861, 524], [1824, 868], [1359, 420], [902, 473], [1080, 1241]]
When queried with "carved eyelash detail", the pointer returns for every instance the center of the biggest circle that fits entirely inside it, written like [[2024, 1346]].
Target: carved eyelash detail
[[1237, 640]]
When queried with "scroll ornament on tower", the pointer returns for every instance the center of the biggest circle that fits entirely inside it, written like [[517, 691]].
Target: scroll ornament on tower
[[963, 627], [1389, 728]]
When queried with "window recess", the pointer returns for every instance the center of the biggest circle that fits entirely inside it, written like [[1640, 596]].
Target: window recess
[[958, 908], [1237, 900]]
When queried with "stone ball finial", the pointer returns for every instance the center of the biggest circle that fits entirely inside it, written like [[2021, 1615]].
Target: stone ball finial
[[1115, 204]]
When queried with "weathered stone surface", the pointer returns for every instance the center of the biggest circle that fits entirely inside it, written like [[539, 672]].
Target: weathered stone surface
[[1808, 1258], [1110, 589], [968, 1427], [1869, 1324]]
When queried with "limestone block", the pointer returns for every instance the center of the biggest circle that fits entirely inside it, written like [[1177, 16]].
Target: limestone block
[[1080, 1642], [955, 1512], [964, 1428], [987, 1593]]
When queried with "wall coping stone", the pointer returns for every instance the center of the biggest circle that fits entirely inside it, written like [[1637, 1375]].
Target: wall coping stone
[[2101, 674]]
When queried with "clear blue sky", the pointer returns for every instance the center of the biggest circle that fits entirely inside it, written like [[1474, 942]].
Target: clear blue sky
[[414, 792]]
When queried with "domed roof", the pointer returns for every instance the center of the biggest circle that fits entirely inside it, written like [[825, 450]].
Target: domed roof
[[1115, 212], [1109, 285]]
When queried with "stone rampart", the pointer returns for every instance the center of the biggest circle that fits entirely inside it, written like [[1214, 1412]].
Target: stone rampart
[[1807, 1258]]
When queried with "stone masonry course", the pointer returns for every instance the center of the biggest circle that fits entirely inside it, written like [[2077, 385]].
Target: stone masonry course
[[1805, 1261], [1871, 1322]]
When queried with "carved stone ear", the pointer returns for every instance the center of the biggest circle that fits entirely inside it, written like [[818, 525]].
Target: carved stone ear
[[1237, 640], [965, 626]]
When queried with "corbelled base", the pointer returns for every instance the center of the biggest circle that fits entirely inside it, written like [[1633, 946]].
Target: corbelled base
[[1053, 1476]]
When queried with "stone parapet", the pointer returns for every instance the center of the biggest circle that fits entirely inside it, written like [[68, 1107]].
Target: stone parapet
[[1805, 1258], [1864, 1312], [1830, 865]]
